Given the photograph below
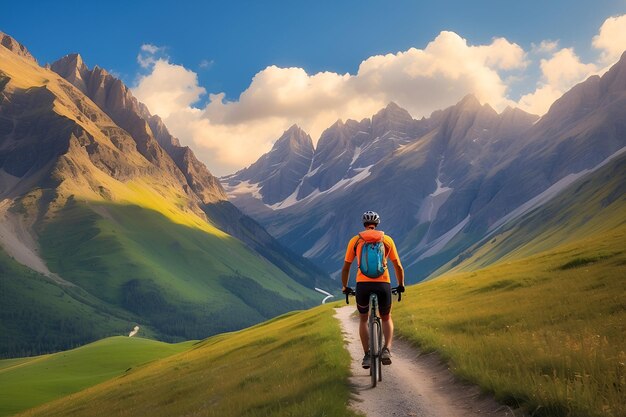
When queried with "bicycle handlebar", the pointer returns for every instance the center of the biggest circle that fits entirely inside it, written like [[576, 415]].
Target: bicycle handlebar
[[394, 291], [349, 294]]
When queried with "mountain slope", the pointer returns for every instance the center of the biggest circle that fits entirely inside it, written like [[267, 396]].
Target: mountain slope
[[592, 205], [107, 210], [444, 183], [116, 100], [40, 315], [393, 164], [293, 365]]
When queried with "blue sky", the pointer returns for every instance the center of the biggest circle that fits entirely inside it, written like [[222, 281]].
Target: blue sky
[[228, 77], [242, 37]]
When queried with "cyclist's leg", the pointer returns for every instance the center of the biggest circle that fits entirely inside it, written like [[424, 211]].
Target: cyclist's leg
[[384, 299], [362, 303], [388, 331]]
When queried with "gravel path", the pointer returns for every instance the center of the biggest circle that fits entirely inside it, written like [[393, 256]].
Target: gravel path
[[413, 385]]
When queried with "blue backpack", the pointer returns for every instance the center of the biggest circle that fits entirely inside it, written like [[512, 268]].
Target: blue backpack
[[371, 259]]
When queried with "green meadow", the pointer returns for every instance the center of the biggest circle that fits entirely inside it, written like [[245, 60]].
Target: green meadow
[[28, 382], [546, 332], [294, 365], [171, 274], [39, 315]]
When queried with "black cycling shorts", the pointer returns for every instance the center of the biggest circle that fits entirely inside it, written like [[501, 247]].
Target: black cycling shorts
[[382, 291]]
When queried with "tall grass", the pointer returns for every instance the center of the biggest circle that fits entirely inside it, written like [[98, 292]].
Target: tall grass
[[294, 365], [546, 332]]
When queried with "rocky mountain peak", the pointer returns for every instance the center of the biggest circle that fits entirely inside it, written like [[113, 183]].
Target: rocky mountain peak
[[297, 137], [512, 114], [279, 171], [14, 46], [469, 103], [69, 64], [152, 138], [294, 138], [73, 69], [392, 118], [392, 110]]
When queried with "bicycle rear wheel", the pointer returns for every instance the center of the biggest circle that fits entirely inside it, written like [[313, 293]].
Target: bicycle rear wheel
[[375, 351], [380, 350]]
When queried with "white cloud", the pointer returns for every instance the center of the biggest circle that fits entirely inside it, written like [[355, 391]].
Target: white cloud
[[232, 134], [545, 46], [206, 63], [149, 48], [168, 88], [149, 54], [559, 73], [564, 68], [611, 39]]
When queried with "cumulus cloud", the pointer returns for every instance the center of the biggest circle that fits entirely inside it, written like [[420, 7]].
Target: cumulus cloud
[[168, 89], [611, 39], [229, 134], [564, 68], [232, 134], [559, 73]]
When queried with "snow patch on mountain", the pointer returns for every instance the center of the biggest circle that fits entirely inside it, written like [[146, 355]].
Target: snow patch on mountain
[[362, 173], [357, 153], [432, 203], [243, 188]]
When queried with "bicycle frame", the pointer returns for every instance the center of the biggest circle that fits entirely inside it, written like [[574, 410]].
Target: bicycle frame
[[375, 335]]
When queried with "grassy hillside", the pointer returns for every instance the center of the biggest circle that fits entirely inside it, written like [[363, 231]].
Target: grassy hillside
[[547, 331], [594, 204], [294, 365], [38, 315], [28, 382], [172, 275]]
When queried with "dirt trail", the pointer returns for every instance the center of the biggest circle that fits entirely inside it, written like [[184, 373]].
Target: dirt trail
[[413, 385]]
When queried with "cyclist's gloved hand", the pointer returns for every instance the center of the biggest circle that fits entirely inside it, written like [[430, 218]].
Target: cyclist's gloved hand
[[400, 288], [347, 290]]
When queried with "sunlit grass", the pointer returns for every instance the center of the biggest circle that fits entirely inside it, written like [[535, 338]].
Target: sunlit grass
[[547, 332], [28, 382], [294, 365]]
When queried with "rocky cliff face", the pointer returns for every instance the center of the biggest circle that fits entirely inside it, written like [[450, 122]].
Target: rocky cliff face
[[93, 201], [150, 134], [14, 46]]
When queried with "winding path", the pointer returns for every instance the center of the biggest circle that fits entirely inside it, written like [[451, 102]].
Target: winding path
[[413, 385]]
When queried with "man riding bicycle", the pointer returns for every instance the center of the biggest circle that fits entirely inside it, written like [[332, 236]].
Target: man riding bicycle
[[366, 285]]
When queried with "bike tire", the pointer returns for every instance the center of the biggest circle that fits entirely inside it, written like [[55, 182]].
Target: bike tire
[[380, 350], [374, 352]]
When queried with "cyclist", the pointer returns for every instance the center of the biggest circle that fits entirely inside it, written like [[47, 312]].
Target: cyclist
[[366, 285]]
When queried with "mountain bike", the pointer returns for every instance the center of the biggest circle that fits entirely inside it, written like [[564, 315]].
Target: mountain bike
[[376, 335]]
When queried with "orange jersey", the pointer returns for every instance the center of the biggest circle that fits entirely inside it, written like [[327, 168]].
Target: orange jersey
[[390, 252]]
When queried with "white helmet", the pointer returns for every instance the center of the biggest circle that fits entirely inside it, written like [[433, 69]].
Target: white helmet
[[371, 217]]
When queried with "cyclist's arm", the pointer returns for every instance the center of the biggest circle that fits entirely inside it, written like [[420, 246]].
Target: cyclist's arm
[[345, 274], [397, 266]]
